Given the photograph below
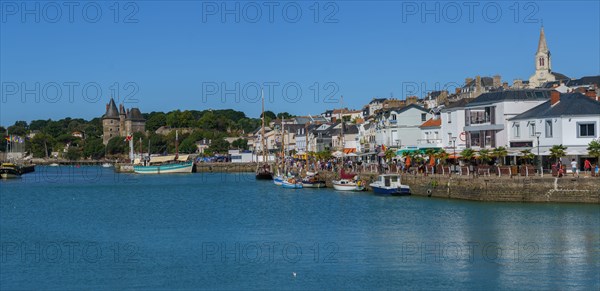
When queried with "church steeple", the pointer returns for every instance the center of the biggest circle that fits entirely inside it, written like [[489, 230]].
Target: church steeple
[[542, 46], [542, 56], [543, 63]]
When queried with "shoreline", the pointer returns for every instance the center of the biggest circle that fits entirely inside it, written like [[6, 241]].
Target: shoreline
[[568, 189]]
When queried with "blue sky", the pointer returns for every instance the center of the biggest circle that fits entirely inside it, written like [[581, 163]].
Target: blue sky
[[163, 55]]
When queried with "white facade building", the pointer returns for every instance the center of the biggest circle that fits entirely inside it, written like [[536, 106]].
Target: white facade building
[[400, 127]]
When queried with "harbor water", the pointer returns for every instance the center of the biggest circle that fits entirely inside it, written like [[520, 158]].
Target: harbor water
[[89, 228]]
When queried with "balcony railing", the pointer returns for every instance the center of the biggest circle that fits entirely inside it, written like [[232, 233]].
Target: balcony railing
[[429, 141]]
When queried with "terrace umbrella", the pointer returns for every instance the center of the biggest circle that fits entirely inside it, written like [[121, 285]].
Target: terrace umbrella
[[407, 162]]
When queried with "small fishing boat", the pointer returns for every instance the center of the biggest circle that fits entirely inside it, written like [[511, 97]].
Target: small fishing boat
[[53, 165], [390, 184], [264, 172], [348, 182], [106, 165], [312, 180], [278, 180], [348, 185], [291, 183], [165, 168], [9, 171]]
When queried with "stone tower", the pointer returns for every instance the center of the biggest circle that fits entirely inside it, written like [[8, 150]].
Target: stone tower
[[122, 117], [110, 122], [543, 64]]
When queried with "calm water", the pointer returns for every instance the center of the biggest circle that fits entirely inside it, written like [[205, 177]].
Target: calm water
[[90, 228]]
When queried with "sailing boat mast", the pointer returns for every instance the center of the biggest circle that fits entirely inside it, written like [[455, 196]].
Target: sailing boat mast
[[262, 134], [342, 124], [176, 144]]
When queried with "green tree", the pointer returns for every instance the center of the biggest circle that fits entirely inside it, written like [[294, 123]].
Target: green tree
[[41, 145], [17, 129], [219, 146], [390, 154], [188, 145], [240, 143], [38, 124], [558, 151], [269, 114], [186, 119], [500, 153], [527, 156], [93, 148], [172, 118], [207, 121], [116, 146], [156, 120], [285, 115], [594, 148], [73, 153], [484, 156], [467, 154], [443, 156]]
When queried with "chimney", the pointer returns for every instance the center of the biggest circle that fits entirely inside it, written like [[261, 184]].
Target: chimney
[[517, 83], [478, 84], [497, 81], [554, 97], [468, 80], [107, 107]]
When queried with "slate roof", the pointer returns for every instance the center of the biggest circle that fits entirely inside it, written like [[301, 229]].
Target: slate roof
[[571, 104], [588, 80], [485, 82], [111, 112], [377, 100], [559, 76], [458, 104], [135, 115], [510, 95]]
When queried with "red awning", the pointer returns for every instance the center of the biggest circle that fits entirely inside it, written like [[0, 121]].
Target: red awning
[[349, 150]]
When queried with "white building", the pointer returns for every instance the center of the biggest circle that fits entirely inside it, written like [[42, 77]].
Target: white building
[[431, 136], [453, 125], [399, 127], [486, 117], [569, 119]]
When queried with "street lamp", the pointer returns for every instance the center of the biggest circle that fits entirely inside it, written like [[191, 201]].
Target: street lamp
[[537, 135], [454, 147]]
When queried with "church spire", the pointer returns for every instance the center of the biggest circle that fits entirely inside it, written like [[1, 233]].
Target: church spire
[[542, 46]]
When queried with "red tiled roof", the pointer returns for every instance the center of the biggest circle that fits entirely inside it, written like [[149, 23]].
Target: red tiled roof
[[432, 123]]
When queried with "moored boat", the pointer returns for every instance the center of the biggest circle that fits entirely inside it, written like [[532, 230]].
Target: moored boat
[[9, 171], [348, 185], [106, 165], [278, 180], [291, 183], [166, 168], [390, 184], [312, 180]]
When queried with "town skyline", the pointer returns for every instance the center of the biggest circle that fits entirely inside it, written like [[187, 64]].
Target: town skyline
[[398, 72]]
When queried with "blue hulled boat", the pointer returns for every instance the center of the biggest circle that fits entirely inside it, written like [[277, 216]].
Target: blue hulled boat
[[389, 184]]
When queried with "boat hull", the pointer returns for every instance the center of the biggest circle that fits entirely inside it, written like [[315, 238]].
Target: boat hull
[[343, 185], [7, 173], [264, 176], [319, 184], [395, 191], [288, 185], [165, 169], [278, 180]]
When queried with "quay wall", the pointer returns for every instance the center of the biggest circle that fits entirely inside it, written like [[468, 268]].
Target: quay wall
[[501, 189], [468, 187]]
